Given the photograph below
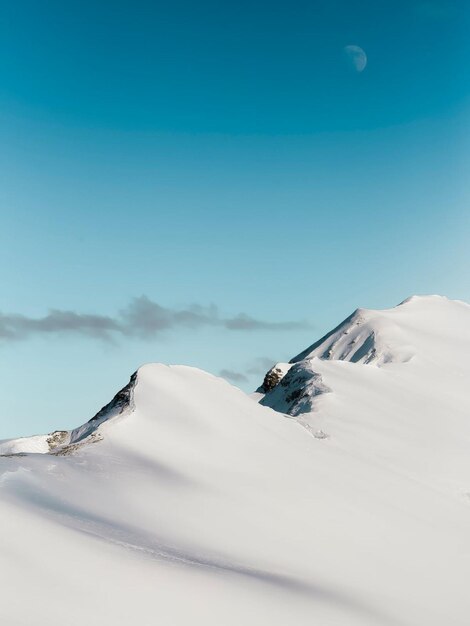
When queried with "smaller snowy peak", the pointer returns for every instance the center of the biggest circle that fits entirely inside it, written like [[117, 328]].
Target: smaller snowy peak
[[62, 442], [156, 380], [121, 403], [294, 393]]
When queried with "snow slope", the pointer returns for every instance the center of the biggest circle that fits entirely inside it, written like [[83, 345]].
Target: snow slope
[[185, 502]]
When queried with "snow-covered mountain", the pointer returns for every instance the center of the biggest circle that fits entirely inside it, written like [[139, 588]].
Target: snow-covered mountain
[[186, 501], [430, 331]]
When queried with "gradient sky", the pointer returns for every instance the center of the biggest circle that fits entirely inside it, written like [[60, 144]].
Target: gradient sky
[[228, 162]]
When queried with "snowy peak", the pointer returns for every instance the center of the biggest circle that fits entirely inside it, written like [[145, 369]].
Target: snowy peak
[[294, 392], [123, 402], [366, 336], [63, 442], [386, 336], [432, 329], [428, 300], [152, 385]]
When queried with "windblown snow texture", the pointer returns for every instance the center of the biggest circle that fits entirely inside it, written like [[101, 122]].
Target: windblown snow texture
[[184, 501]]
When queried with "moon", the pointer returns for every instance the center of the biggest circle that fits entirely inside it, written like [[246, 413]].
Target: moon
[[356, 57]]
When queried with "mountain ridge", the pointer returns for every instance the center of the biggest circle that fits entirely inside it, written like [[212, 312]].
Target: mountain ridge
[[339, 510], [357, 339]]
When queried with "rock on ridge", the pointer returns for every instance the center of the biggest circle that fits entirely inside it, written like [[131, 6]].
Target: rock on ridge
[[62, 442], [295, 392]]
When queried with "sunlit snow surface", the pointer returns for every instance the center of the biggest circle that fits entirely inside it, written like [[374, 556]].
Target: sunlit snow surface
[[193, 504]]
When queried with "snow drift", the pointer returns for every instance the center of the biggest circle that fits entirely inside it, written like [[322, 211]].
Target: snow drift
[[184, 501]]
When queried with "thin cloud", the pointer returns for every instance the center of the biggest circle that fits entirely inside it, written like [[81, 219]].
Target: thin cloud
[[142, 318], [245, 322], [234, 377], [257, 367], [261, 365], [16, 327], [146, 318]]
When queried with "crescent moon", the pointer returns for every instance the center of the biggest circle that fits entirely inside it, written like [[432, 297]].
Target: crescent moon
[[356, 57]]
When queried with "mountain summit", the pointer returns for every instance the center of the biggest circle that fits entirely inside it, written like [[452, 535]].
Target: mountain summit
[[432, 329]]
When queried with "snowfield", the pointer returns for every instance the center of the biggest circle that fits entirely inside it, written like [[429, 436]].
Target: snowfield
[[342, 499]]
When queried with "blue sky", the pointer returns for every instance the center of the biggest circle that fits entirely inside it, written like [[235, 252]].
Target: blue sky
[[228, 162]]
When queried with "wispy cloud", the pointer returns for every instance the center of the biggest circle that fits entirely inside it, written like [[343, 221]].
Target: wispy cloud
[[245, 322], [16, 327], [142, 318], [234, 377], [257, 367], [261, 365]]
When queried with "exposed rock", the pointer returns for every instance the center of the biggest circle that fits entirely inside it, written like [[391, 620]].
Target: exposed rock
[[295, 392], [71, 448], [272, 378], [57, 438], [121, 402]]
